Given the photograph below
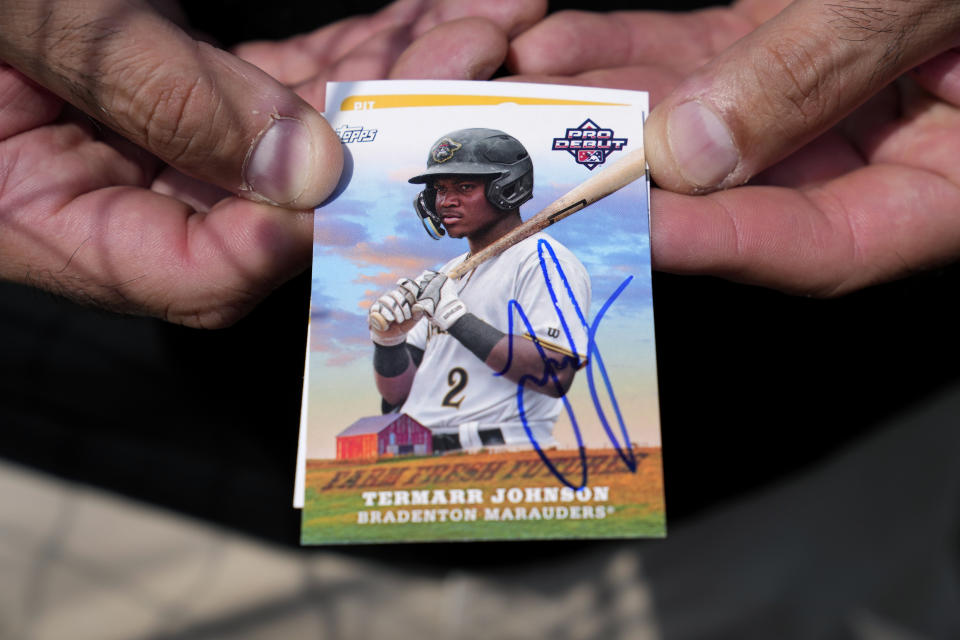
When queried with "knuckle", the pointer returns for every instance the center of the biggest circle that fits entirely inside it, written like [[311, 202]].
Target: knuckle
[[172, 114], [794, 75]]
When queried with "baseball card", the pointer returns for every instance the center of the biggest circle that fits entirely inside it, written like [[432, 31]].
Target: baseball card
[[482, 362]]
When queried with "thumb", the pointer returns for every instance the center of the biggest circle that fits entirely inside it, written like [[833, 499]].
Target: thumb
[[786, 83], [196, 107], [425, 306]]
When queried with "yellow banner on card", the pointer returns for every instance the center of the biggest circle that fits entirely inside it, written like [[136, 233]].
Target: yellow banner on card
[[397, 101]]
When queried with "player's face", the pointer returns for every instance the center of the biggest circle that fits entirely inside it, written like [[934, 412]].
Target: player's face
[[462, 205]]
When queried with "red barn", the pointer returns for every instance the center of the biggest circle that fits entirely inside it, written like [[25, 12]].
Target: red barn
[[390, 434]]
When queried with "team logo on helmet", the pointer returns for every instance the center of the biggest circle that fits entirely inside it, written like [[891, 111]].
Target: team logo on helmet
[[589, 144], [444, 150]]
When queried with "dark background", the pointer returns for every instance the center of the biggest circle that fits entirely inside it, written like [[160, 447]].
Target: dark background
[[754, 385]]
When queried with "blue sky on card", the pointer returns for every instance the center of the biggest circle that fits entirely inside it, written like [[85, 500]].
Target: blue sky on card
[[369, 236]]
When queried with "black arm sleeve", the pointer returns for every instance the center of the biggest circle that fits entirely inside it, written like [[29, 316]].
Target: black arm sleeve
[[416, 354], [476, 335], [390, 362]]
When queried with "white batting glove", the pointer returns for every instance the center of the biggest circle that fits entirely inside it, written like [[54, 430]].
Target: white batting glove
[[396, 307], [439, 300]]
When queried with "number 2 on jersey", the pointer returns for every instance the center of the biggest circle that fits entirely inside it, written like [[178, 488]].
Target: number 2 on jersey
[[457, 379]]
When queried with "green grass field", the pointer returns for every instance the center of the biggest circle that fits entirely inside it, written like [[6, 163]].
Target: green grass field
[[334, 501]]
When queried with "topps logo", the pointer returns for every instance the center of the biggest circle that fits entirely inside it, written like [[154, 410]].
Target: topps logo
[[349, 134], [589, 144]]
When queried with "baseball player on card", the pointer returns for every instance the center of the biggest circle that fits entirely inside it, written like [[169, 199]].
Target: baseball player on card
[[479, 358]]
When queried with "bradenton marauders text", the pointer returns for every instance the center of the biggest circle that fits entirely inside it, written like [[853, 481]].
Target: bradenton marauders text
[[500, 495], [489, 514]]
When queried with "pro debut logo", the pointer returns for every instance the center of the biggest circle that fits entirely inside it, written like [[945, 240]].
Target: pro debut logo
[[589, 144]]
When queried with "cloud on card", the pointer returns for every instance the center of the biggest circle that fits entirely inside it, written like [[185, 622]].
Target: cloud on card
[[377, 284], [397, 255], [333, 231], [378, 281], [345, 206], [390, 253], [341, 335]]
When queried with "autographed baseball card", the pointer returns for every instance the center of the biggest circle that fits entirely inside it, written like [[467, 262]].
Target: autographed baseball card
[[481, 362]]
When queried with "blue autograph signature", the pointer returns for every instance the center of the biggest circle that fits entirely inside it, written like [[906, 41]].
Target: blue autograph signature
[[551, 366]]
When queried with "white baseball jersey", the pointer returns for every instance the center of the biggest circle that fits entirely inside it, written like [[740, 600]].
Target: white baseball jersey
[[454, 392]]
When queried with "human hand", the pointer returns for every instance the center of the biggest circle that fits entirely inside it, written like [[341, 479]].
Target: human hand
[[850, 160], [408, 39], [154, 229], [397, 308], [86, 214], [438, 299]]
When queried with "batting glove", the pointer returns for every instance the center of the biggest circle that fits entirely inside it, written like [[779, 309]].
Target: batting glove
[[439, 300], [397, 308]]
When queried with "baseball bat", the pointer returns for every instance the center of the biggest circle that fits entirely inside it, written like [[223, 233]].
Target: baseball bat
[[630, 167]]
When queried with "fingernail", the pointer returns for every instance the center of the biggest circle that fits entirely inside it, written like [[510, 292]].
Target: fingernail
[[278, 166], [701, 144]]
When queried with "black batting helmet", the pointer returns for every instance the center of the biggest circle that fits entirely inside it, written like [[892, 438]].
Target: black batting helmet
[[476, 152]]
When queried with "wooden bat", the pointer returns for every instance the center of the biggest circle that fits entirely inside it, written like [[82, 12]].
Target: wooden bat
[[630, 167]]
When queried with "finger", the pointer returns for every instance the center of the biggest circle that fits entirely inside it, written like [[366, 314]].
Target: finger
[[569, 42], [298, 59], [473, 49], [202, 110], [941, 76], [199, 195], [389, 300], [875, 224], [372, 59], [785, 84], [369, 60], [377, 323], [926, 136], [510, 16], [830, 156], [410, 290], [386, 309], [424, 307], [135, 251], [854, 143], [657, 81], [401, 310], [24, 105]]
